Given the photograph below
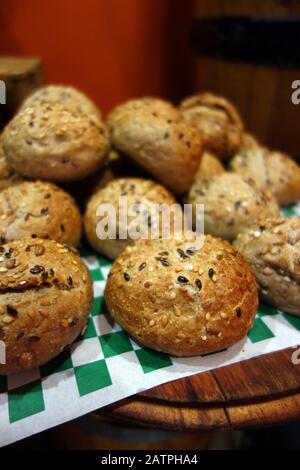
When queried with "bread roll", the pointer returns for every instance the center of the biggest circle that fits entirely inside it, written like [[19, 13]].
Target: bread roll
[[45, 299], [272, 248], [169, 150], [40, 209], [54, 142], [274, 171], [230, 204], [175, 298], [217, 122], [66, 95], [139, 192]]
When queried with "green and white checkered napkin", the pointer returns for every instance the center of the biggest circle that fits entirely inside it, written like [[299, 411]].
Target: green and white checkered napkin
[[105, 365]]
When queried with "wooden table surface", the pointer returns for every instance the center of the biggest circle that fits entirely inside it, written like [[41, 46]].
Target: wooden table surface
[[263, 391]]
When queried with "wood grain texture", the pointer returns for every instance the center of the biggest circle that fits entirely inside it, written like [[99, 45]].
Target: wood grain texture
[[262, 391], [261, 93]]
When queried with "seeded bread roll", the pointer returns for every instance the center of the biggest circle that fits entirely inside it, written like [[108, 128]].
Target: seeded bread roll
[[141, 195], [272, 248], [180, 300], [217, 121], [45, 299], [169, 150], [65, 95], [40, 209], [7, 176], [154, 105], [50, 141], [272, 170], [230, 204], [209, 166]]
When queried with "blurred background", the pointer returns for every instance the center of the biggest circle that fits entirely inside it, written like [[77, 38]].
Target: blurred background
[[117, 49]]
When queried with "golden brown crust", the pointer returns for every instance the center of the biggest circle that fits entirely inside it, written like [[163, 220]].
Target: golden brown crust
[[196, 302], [230, 204], [209, 166], [40, 208], [45, 298], [274, 171], [66, 95], [155, 105], [138, 191], [272, 248], [217, 121], [170, 150], [53, 142], [7, 176]]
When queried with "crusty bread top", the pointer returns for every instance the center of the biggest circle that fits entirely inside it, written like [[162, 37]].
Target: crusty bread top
[[273, 170], [40, 208], [176, 298], [170, 150], [55, 142], [272, 248], [217, 121], [231, 203], [67, 95], [45, 298], [273, 243], [155, 105]]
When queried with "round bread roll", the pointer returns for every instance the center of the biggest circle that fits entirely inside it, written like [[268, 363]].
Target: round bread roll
[[169, 150], [141, 194], [46, 296], [40, 209], [154, 105], [272, 170], [217, 121], [209, 166], [230, 204], [49, 141], [66, 95], [7, 176], [174, 298], [272, 248]]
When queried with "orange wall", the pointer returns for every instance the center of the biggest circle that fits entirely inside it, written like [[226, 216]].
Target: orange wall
[[111, 49]]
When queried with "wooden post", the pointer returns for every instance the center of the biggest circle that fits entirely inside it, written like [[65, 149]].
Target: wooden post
[[18, 78]]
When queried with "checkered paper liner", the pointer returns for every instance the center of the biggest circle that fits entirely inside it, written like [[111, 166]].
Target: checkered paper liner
[[105, 365]]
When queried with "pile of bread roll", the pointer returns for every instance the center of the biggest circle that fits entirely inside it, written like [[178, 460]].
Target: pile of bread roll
[[168, 294]]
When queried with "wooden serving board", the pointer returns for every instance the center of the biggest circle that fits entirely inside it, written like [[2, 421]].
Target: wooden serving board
[[262, 391]]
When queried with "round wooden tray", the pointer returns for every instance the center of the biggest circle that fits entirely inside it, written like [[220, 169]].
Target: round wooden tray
[[263, 391]]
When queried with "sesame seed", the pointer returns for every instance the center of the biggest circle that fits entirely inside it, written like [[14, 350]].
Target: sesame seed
[[182, 254], [142, 266], [207, 316], [238, 312], [151, 323], [224, 315], [126, 277], [8, 319], [163, 261], [182, 279], [177, 311], [37, 269], [198, 284], [211, 272], [39, 250]]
